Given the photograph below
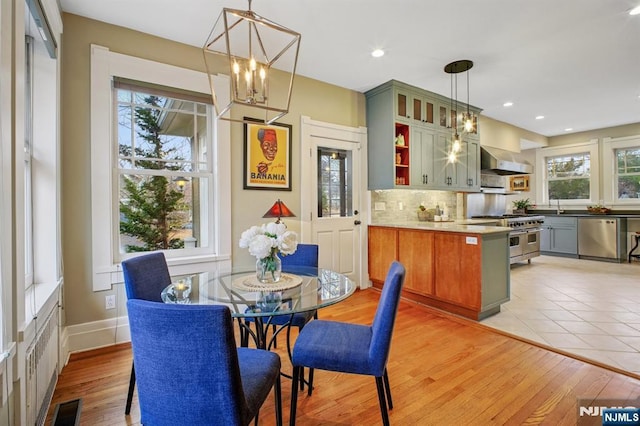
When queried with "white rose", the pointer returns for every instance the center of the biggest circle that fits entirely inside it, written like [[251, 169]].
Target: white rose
[[248, 235], [260, 246], [288, 242], [276, 229]]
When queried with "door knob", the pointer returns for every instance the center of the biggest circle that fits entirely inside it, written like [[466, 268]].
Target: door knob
[[356, 222]]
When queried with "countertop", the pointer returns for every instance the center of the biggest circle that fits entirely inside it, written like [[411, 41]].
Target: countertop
[[582, 213], [464, 226]]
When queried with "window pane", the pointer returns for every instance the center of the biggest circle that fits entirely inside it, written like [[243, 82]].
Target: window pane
[[334, 183], [629, 187], [162, 213], [568, 177], [569, 189]]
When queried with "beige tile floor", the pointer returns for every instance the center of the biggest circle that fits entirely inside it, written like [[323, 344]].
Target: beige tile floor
[[584, 307]]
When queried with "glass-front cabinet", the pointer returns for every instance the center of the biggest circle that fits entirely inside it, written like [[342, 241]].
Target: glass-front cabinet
[[410, 138]]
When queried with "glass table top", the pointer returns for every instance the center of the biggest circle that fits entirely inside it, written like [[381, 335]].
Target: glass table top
[[313, 288]]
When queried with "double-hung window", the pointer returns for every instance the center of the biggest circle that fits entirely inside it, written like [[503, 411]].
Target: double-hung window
[[621, 159], [160, 167], [164, 173], [569, 174]]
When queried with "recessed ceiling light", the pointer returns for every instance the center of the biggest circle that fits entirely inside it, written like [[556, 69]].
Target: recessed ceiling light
[[539, 117], [635, 11], [377, 53], [568, 129], [507, 104]]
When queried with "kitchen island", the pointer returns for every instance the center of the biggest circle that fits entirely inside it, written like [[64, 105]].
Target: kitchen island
[[460, 267]]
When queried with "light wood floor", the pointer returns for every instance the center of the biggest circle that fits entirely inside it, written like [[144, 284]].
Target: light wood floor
[[443, 370]]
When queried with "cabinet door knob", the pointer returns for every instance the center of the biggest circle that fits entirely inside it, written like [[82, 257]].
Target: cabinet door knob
[[356, 222]]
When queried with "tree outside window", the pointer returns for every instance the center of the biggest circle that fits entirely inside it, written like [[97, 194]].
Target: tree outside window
[[568, 177]]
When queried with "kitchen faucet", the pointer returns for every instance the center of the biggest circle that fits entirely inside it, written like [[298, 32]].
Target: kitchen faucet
[[558, 211]]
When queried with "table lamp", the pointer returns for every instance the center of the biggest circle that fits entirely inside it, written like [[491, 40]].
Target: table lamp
[[279, 210]]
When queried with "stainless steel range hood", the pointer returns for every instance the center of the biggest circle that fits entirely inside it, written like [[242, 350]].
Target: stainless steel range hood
[[502, 162]]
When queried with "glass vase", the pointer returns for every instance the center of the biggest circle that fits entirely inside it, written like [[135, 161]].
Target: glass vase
[[269, 269]]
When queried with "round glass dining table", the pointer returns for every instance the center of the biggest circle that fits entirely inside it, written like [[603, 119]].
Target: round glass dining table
[[301, 289]]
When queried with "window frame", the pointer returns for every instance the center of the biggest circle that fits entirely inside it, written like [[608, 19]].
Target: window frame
[[105, 66], [542, 196], [610, 187]]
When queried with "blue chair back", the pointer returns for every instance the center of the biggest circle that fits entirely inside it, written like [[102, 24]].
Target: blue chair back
[[385, 317], [186, 364], [146, 276], [305, 255]]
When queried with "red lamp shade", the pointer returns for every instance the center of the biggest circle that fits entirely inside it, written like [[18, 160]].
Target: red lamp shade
[[279, 210]]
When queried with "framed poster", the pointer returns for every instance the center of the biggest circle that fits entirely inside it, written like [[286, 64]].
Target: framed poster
[[267, 156]]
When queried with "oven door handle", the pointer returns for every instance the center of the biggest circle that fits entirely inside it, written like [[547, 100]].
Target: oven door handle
[[517, 232], [534, 230]]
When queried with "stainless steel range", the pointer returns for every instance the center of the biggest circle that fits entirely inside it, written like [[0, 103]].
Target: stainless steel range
[[524, 238]]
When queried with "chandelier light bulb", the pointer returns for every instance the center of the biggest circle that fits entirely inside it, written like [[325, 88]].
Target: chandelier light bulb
[[452, 158], [456, 144], [468, 123]]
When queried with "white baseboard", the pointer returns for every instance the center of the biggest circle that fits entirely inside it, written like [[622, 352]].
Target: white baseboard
[[93, 335]]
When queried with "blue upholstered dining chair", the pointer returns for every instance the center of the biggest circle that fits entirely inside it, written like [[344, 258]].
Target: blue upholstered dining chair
[[189, 370], [352, 348], [144, 278]]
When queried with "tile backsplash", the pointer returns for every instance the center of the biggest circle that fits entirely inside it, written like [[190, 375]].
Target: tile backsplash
[[396, 205]]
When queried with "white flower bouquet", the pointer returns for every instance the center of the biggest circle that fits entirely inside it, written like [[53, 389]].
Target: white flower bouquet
[[265, 242]]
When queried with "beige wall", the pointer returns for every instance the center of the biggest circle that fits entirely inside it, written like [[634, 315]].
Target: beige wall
[[312, 98], [499, 134], [611, 132]]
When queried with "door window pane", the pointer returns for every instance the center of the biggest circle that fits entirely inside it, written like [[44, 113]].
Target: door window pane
[[334, 183]]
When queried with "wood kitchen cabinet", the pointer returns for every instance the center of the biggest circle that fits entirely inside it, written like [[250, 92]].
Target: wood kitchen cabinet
[[456, 266], [424, 120], [417, 255], [383, 249], [464, 273]]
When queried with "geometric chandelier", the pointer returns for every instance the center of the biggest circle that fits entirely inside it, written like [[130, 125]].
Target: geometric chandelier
[[253, 47]]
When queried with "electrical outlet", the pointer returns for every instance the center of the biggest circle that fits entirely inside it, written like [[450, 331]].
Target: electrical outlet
[[110, 302]]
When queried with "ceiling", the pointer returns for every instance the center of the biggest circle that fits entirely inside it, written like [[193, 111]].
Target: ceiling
[[575, 62]]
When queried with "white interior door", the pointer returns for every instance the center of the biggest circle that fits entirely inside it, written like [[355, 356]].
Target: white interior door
[[332, 195]]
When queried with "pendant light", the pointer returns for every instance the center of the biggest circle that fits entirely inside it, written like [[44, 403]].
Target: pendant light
[[453, 69], [252, 47]]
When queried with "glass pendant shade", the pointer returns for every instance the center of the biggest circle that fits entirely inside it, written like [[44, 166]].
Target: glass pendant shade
[[260, 56]]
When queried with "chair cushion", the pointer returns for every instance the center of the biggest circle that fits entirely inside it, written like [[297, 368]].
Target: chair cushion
[[258, 370], [335, 346]]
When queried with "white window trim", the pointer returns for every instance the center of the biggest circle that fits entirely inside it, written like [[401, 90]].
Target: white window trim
[[104, 66], [609, 168], [542, 197]]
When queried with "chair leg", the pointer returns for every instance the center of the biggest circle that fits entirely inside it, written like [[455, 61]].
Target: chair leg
[[387, 387], [294, 395], [310, 382], [383, 402], [132, 385], [275, 338], [278, 394]]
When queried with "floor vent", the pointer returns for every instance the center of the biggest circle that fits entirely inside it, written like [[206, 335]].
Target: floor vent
[[67, 413]]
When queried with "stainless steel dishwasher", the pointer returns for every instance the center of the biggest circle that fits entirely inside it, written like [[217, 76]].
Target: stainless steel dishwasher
[[600, 237]]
